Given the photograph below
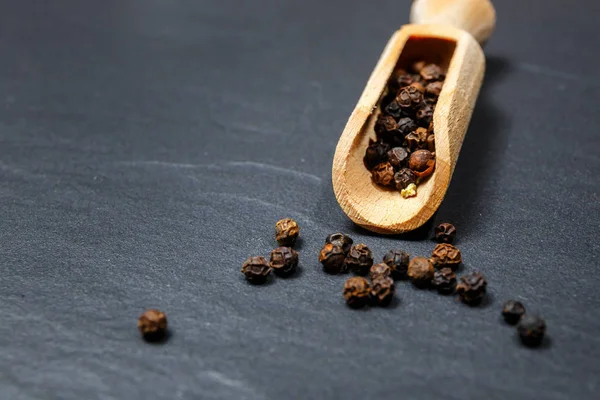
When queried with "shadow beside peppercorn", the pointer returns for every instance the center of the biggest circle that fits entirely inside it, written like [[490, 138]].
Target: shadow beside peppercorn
[[159, 340], [545, 345]]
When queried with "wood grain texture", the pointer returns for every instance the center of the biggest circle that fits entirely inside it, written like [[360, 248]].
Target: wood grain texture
[[382, 210]]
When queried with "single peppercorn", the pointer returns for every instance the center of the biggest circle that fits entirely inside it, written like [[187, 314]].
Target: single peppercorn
[[339, 239], [446, 255], [422, 163], [472, 288], [398, 156], [419, 86], [444, 281], [445, 233], [431, 143], [394, 109], [284, 261], [512, 311], [256, 269], [379, 270], [152, 324], [356, 291], [406, 125], [531, 329], [433, 89], [359, 259], [403, 178], [418, 66], [376, 154], [403, 79], [286, 232], [383, 174], [431, 72], [416, 139], [397, 260], [424, 114], [382, 290], [409, 97], [420, 271], [332, 258], [385, 126]]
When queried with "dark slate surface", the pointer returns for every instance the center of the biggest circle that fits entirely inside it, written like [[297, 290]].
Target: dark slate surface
[[148, 147]]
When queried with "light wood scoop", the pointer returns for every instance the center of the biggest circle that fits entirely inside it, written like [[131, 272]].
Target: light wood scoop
[[445, 32]]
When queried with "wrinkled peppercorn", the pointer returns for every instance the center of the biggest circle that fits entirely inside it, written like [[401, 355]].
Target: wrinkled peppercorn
[[332, 258], [512, 311], [398, 156], [444, 281], [531, 329], [152, 324], [256, 269], [394, 109], [286, 232], [424, 114], [403, 178], [382, 290], [422, 163], [284, 261], [472, 288], [397, 260], [356, 291], [406, 126], [433, 89], [417, 139], [383, 174], [445, 233], [379, 270], [431, 72], [376, 154], [446, 255], [420, 271], [339, 239], [409, 97], [359, 259], [386, 126]]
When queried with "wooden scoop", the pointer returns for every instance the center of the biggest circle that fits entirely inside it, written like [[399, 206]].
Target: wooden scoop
[[445, 32]]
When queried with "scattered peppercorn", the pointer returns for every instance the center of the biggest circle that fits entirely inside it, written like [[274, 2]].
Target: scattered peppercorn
[[383, 174], [152, 324], [422, 163], [382, 290], [359, 259], [472, 288], [356, 291], [531, 329], [404, 177], [397, 260], [420, 271], [332, 258], [380, 270], [339, 239], [446, 255], [256, 269], [445, 233], [286, 232], [512, 311], [284, 261], [444, 280]]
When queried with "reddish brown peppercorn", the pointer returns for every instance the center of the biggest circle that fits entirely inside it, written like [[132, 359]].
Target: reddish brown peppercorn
[[420, 271], [340, 239], [422, 163], [356, 291], [397, 260], [152, 324], [409, 97], [444, 281], [472, 288], [512, 311], [403, 178], [383, 174], [418, 66], [433, 89], [398, 156], [376, 154], [431, 72], [403, 79], [256, 269], [385, 126], [359, 259], [431, 143], [332, 258], [382, 290], [446, 255], [531, 329], [286, 232], [445, 233], [284, 261], [379, 270], [416, 139], [419, 87]]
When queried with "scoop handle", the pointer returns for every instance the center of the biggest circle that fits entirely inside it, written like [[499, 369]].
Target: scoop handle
[[477, 17]]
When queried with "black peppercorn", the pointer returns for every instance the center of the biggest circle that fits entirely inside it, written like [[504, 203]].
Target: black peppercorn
[[286, 232], [444, 281], [339, 239], [433, 89], [382, 290], [383, 174], [512, 311], [424, 114], [445, 233], [332, 258], [403, 178], [409, 97], [284, 261], [402, 79], [386, 126], [376, 154], [393, 109], [397, 260], [446, 255], [152, 324], [406, 125], [472, 288], [420, 271], [398, 156], [422, 163], [431, 72], [531, 329], [379, 270], [359, 259], [256, 269], [356, 291]]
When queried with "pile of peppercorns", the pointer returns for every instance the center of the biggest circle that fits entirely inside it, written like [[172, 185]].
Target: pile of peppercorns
[[404, 152]]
